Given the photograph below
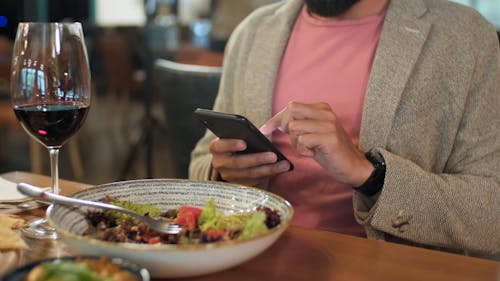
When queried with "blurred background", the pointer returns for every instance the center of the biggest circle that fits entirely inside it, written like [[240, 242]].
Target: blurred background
[[126, 134]]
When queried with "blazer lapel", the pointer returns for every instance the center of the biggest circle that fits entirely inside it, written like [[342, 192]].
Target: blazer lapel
[[403, 36], [265, 56]]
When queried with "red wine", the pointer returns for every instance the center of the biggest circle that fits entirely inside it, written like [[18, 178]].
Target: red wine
[[52, 124]]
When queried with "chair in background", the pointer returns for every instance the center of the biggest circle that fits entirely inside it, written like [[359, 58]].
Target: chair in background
[[182, 88], [121, 77]]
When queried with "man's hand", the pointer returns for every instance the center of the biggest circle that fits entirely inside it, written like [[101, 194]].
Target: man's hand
[[246, 169], [315, 132]]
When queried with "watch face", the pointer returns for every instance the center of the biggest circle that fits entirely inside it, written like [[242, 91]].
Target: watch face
[[376, 158]]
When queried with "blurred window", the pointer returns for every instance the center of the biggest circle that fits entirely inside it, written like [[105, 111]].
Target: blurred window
[[490, 9], [120, 13]]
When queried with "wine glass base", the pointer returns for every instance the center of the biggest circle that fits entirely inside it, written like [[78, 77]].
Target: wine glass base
[[40, 229]]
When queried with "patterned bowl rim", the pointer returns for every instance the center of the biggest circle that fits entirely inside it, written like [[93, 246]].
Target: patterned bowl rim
[[175, 247]]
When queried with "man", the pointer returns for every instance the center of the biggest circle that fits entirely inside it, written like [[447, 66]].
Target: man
[[396, 100]]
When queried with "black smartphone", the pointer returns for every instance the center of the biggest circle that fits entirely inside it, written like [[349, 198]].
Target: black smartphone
[[234, 126]]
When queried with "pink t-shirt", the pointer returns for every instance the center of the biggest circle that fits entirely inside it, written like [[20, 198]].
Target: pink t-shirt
[[325, 61]]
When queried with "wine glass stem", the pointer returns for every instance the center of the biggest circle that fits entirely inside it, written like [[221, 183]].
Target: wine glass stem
[[54, 171]]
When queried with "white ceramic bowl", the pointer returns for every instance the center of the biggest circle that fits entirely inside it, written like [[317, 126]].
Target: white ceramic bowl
[[170, 261]]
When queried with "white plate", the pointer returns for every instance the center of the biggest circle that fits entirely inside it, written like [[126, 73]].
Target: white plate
[[9, 193]]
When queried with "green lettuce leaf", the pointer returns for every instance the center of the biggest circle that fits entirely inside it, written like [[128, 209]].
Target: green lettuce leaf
[[255, 225]]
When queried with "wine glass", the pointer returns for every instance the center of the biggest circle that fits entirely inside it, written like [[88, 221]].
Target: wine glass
[[50, 91]]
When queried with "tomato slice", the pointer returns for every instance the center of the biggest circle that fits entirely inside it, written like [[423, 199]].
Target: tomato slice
[[188, 217], [154, 240]]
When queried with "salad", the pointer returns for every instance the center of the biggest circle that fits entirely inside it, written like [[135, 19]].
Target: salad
[[199, 225], [79, 269]]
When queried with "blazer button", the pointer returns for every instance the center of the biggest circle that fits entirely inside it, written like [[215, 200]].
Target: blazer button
[[401, 219], [404, 227]]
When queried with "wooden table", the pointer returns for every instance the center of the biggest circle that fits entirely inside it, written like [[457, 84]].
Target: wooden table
[[300, 254]]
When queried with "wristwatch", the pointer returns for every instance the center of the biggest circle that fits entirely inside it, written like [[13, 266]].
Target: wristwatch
[[375, 181]]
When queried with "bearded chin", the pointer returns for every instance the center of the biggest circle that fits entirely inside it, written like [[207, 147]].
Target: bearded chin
[[329, 8]]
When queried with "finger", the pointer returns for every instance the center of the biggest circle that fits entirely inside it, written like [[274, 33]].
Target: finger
[[273, 123], [280, 121], [227, 146], [227, 161], [335, 145], [307, 126], [254, 174], [297, 111], [307, 135], [304, 150]]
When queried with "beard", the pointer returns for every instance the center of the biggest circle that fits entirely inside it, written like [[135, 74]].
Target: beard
[[329, 8]]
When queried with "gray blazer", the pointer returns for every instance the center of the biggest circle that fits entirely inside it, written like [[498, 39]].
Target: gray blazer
[[431, 109]]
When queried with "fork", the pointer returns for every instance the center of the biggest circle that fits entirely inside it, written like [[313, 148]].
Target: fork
[[39, 194]]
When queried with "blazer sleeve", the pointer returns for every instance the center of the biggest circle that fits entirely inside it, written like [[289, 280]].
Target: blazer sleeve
[[457, 208], [200, 164]]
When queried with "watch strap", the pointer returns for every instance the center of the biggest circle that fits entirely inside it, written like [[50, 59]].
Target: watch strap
[[375, 181]]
